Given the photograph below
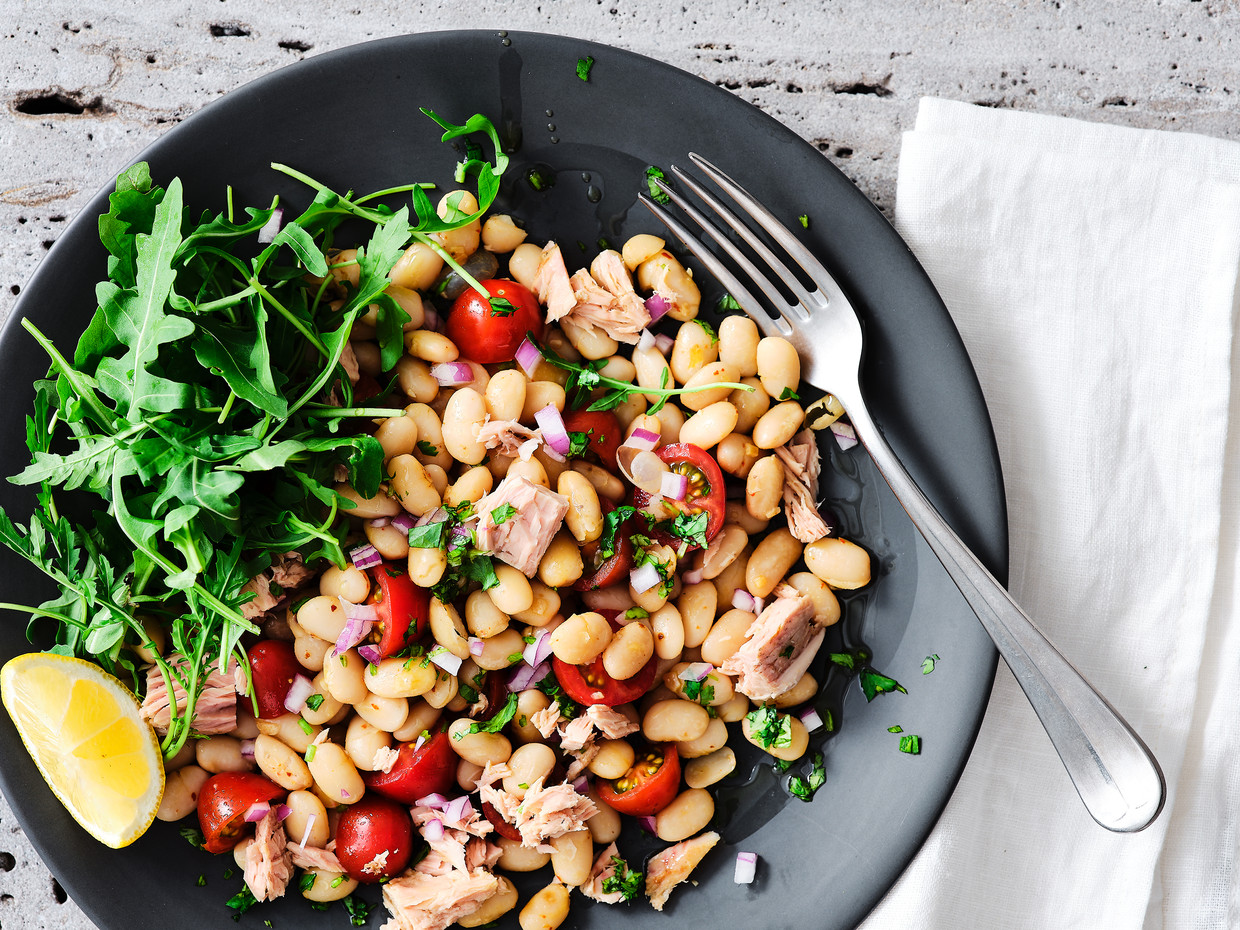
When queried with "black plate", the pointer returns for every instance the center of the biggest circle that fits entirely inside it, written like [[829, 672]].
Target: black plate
[[350, 118]]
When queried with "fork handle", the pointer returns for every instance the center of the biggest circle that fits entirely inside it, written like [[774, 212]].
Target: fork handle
[[1114, 772]]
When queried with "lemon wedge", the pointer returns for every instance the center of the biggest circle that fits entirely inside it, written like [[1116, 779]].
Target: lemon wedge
[[82, 728]]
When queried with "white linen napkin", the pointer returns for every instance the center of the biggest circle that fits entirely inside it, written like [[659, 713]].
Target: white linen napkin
[[1092, 273]]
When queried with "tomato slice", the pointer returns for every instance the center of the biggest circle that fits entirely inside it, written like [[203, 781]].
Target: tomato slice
[[706, 492], [273, 666], [417, 772], [605, 433], [485, 337], [222, 804], [403, 607], [368, 829], [502, 826], [647, 787], [592, 685], [603, 572]]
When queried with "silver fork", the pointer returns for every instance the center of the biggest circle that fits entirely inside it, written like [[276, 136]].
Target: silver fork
[[1114, 772]]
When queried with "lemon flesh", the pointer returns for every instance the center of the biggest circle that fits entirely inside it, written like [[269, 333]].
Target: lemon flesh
[[82, 728]]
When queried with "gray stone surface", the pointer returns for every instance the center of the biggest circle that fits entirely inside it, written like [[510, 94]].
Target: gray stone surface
[[83, 87]]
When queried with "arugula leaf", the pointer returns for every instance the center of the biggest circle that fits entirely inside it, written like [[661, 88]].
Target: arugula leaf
[[623, 880]]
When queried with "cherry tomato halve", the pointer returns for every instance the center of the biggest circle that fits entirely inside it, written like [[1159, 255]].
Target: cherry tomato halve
[[603, 572], [368, 829], [502, 826], [590, 684], [222, 804], [273, 666], [403, 607], [417, 772], [486, 336], [706, 493], [604, 433], [647, 787]]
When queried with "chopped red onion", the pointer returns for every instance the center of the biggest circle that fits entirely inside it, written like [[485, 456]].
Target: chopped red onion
[[418, 744], [646, 341], [267, 233], [445, 660], [553, 431], [476, 646], [743, 600], [746, 868], [643, 439], [456, 810], [656, 306], [432, 831], [526, 677], [452, 374], [758, 604], [359, 620], [379, 523], [282, 811], [528, 356], [647, 824], [664, 343], [434, 801], [811, 718], [404, 522], [301, 688], [366, 556], [675, 486], [247, 749], [644, 578], [344, 793], [459, 536], [537, 652], [845, 435], [257, 811], [370, 653], [693, 576], [696, 671], [306, 833], [581, 784]]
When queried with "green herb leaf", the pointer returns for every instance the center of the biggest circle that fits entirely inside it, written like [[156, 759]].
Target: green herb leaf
[[804, 218], [502, 514], [805, 788], [314, 701], [927, 664], [710, 330], [910, 744], [728, 302], [501, 306], [700, 691], [583, 67], [874, 682], [895, 729], [429, 535], [359, 910], [623, 880], [241, 902], [789, 394], [427, 448], [769, 727], [652, 174], [500, 720]]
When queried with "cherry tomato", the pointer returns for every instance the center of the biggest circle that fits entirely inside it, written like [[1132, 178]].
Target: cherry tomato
[[368, 829], [273, 666], [222, 804], [706, 493], [428, 769], [502, 826], [485, 337], [647, 787], [605, 432], [402, 607], [600, 572], [592, 685]]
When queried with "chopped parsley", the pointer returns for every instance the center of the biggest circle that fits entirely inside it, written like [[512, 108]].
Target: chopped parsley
[[242, 901], [769, 728], [636, 613], [358, 910], [193, 836], [781, 765], [927, 664], [910, 744], [579, 443], [314, 701], [501, 306], [699, 691], [428, 536], [202, 881], [804, 218], [789, 394], [310, 750], [627, 882], [689, 527], [306, 882], [874, 682], [305, 727], [896, 729], [728, 302], [653, 174], [540, 179], [710, 330], [515, 657], [427, 448], [583, 67], [805, 788], [503, 514], [786, 652], [550, 687], [499, 721]]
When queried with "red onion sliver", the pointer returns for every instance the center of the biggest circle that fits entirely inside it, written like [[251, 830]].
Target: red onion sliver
[[696, 671], [656, 306], [581, 784], [644, 578], [526, 677], [452, 374], [646, 340], [366, 556], [845, 435], [267, 233], [282, 811], [553, 431], [811, 718], [359, 619], [301, 688], [379, 523], [257, 811], [309, 826], [476, 646], [370, 653], [647, 824], [445, 660], [432, 831], [758, 604], [528, 356], [742, 600], [664, 343], [675, 486], [693, 576], [746, 868], [455, 811], [643, 439], [536, 652], [434, 801], [418, 744], [247, 749], [404, 522]]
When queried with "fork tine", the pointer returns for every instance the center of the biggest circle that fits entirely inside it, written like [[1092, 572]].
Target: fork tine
[[777, 230], [805, 300], [755, 274], [750, 304]]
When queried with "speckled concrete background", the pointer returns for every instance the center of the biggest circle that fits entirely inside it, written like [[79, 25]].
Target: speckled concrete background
[[83, 87]]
